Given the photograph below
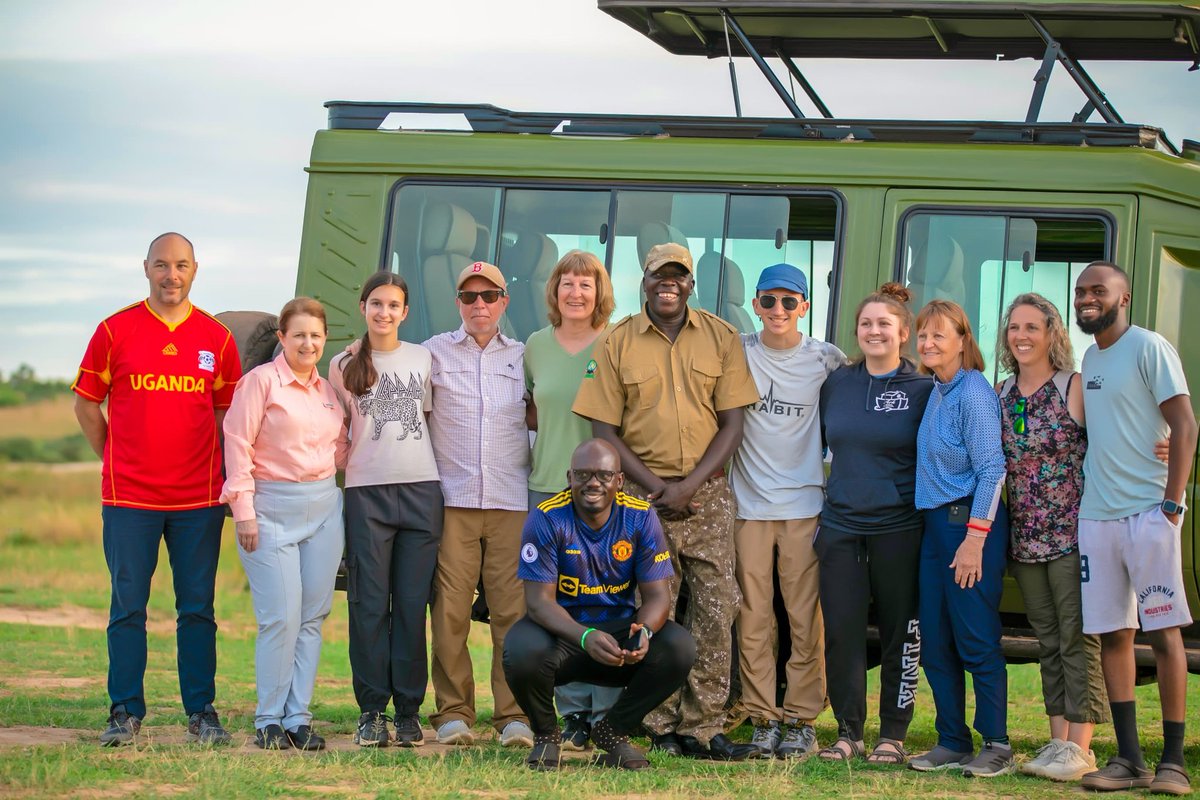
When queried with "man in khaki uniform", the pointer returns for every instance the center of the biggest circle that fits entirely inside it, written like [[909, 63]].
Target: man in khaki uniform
[[668, 388]]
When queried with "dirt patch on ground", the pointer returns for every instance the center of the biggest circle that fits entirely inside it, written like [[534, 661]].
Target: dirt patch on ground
[[128, 787], [47, 681], [29, 736], [73, 617]]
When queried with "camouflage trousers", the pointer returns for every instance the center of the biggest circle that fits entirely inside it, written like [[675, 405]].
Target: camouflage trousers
[[703, 555]]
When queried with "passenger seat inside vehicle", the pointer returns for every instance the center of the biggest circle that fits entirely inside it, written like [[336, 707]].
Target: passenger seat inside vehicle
[[936, 272], [448, 239], [710, 276], [527, 264]]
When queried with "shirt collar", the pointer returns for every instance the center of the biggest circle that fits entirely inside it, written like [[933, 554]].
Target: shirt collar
[[460, 336], [644, 324], [286, 376]]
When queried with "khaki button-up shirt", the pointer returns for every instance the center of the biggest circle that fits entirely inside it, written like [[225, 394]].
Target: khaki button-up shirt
[[663, 396]]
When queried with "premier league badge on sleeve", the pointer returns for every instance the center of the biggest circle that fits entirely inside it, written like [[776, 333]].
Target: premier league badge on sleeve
[[529, 553]]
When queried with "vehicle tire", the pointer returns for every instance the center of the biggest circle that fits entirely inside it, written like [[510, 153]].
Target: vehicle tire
[[254, 333]]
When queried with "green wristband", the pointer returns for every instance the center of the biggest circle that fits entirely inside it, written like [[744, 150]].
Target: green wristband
[[583, 638]]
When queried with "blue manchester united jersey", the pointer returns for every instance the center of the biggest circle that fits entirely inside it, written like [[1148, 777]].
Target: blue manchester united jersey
[[596, 571]]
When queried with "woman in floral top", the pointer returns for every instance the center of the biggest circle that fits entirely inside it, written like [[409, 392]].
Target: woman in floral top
[[1044, 442]]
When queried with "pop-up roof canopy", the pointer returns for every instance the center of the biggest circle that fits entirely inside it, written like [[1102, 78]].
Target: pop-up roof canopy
[[1056, 31], [934, 29]]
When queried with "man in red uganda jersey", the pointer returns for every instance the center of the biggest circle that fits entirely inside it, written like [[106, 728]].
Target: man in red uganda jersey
[[168, 371]]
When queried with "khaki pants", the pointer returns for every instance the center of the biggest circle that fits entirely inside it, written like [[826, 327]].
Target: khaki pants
[[474, 542], [702, 554], [757, 542]]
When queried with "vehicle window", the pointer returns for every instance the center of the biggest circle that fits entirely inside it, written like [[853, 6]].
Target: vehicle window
[[539, 227], [435, 232], [644, 219], [766, 230], [982, 261]]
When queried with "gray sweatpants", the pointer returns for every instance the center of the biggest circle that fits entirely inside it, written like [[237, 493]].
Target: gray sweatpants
[[291, 573]]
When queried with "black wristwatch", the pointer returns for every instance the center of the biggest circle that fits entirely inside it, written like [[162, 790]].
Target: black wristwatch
[[1171, 507]]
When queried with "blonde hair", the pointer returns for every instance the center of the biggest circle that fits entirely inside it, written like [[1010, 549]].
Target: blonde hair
[[952, 314], [580, 262], [1062, 355]]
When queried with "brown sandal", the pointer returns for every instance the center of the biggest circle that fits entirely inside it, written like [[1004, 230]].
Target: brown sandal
[[893, 753], [833, 752]]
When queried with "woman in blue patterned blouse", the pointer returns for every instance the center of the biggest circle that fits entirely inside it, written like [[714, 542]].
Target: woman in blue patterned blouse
[[960, 473]]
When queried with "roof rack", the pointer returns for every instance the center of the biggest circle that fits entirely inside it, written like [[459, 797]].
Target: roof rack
[[482, 118]]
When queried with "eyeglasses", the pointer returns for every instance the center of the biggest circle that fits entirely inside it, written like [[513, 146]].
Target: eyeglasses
[[767, 301], [585, 475], [489, 296], [1020, 418]]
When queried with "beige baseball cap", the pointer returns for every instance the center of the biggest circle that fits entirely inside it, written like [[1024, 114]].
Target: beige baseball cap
[[482, 269], [669, 253]]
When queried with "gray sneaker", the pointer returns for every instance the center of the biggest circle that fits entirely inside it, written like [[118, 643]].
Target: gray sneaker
[[455, 732], [1043, 758], [993, 760], [122, 728], [1070, 764], [800, 741], [766, 738], [940, 758], [516, 734], [205, 727]]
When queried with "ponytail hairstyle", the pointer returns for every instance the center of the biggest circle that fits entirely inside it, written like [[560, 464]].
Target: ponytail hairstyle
[[897, 298], [952, 314], [358, 371]]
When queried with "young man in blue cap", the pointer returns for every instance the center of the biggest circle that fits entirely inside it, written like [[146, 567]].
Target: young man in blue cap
[[778, 479]]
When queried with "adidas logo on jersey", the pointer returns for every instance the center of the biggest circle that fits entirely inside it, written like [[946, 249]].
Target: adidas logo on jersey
[[170, 350]]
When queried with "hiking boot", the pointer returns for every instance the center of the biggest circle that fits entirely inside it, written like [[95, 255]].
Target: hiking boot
[[302, 737], [516, 734], [577, 731], [993, 760], [455, 732], [766, 738], [408, 731], [800, 741], [204, 727], [1119, 773], [122, 728], [1070, 764], [1044, 756], [940, 758], [372, 730]]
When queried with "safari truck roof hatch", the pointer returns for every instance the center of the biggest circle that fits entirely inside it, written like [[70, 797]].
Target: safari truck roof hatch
[[1055, 31]]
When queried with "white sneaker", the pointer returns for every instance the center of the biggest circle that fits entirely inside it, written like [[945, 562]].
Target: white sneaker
[[1070, 763], [516, 734], [455, 732], [1045, 754]]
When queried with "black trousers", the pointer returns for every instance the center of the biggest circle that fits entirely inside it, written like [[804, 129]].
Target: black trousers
[[535, 661], [854, 569], [392, 537]]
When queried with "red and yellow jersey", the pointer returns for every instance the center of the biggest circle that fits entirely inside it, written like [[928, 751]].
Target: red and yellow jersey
[[163, 383]]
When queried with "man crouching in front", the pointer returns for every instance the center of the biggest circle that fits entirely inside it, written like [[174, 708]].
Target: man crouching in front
[[583, 553]]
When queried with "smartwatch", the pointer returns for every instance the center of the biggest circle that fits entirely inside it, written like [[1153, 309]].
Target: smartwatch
[[1171, 507]]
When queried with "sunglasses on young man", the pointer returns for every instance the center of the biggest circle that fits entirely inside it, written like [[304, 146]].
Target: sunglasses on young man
[[489, 296], [767, 302]]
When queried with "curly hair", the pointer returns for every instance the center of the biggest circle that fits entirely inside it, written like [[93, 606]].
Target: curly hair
[[1062, 355]]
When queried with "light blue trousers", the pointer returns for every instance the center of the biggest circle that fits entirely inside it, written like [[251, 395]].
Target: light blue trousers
[[291, 573]]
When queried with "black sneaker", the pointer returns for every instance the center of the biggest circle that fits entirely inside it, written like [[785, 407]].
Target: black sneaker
[[122, 728], [372, 730], [408, 731], [272, 737], [204, 727], [577, 732], [303, 738]]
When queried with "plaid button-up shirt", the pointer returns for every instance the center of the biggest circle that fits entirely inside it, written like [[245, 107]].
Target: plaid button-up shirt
[[477, 423]]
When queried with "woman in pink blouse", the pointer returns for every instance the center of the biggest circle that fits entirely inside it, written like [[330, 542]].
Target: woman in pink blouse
[[285, 435]]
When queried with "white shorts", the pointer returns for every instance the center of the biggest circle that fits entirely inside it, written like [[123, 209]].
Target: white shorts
[[1132, 571]]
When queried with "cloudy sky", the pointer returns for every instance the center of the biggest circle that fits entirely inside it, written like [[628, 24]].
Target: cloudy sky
[[128, 117]]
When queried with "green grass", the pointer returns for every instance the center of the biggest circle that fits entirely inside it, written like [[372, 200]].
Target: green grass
[[54, 675]]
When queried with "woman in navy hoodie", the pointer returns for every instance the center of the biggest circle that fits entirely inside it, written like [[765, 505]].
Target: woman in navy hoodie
[[869, 541], [960, 472]]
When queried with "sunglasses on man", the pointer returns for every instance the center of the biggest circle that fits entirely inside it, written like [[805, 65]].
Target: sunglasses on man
[[489, 296], [767, 302]]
